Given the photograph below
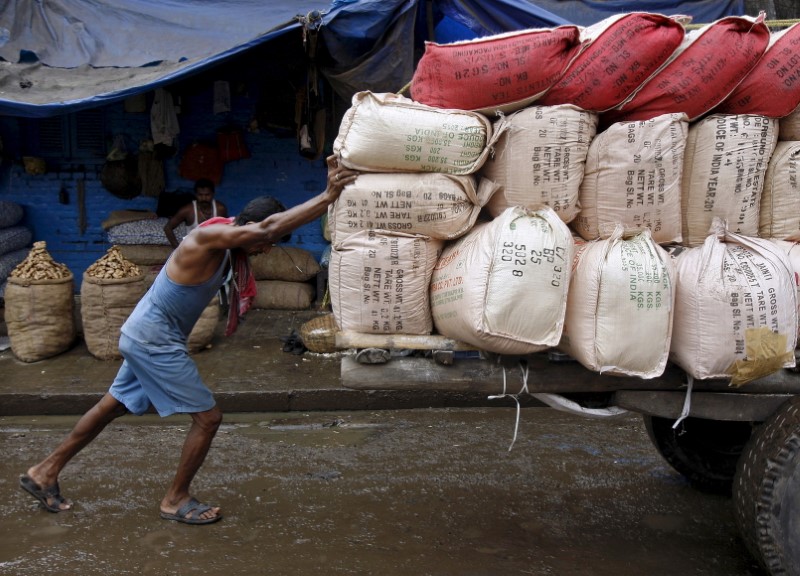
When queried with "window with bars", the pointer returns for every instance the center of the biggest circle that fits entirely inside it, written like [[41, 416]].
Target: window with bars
[[78, 137]]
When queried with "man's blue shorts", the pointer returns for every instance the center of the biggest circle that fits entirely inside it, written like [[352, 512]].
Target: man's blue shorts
[[167, 378]]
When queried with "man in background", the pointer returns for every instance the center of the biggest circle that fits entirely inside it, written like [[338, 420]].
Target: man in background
[[204, 206]]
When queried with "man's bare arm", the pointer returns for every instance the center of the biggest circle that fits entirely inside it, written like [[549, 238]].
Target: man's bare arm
[[270, 230], [181, 215]]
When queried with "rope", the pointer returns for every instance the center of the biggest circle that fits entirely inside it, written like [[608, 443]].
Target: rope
[[785, 23], [524, 369], [687, 404]]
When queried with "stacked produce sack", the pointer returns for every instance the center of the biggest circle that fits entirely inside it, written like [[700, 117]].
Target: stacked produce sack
[[770, 89], [110, 289], [379, 282], [39, 307], [13, 240], [203, 331], [726, 161], [619, 314], [633, 176], [503, 286], [499, 72], [282, 278], [140, 237], [539, 159], [735, 308]]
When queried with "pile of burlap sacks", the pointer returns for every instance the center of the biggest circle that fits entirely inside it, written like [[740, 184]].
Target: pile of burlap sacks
[[625, 193]]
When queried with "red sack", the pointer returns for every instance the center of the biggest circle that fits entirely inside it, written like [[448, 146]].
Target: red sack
[[231, 145], [707, 67], [773, 87], [501, 72], [201, 161], [617, 56]]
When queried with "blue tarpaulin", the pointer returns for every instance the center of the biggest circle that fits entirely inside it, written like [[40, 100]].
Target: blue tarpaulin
[[587, 12], [59, 56]]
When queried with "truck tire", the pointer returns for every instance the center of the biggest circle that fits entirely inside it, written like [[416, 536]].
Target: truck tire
[[704, 451], [766, 492]]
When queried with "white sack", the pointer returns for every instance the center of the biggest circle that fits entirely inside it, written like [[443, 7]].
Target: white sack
[[726, 159], [779, 216], [442, 206], [731, 291], [540, 159], [792, 251], [789, 127], [379, 282], [503, 286], [391, 133], [633, 176], [619, 311]]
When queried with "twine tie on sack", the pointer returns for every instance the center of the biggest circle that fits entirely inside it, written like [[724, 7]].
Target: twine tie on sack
[[524, 370], [687, 404]]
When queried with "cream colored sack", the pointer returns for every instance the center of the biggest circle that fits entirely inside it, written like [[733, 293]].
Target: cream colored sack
[[391, 133], [441, 206], [633, 176], [540, 159], [789, 127], [503, 286], [283, 295], [286, 263], [724, 167], [105, 306], [735, 308], [203, 331], [780, 200], [379, 282], [619, 311], [792, 251]]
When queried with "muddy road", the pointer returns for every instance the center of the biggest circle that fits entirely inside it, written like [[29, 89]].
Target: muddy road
[[413, 492]]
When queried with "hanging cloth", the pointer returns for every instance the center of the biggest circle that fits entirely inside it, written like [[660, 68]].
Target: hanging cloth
[[242, 288], [164, 119]]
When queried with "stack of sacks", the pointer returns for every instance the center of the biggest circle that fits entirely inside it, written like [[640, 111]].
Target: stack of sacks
[[15, 240], [706, 68], [415, 192], [539, 159], [619, 313], [632, 176], [724, 168], [503, 286], [282, 278], [139, 234], [617, 56], [735, 308]]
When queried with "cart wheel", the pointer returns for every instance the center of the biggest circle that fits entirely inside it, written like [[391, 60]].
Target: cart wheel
[[704, 451], [766, 491]]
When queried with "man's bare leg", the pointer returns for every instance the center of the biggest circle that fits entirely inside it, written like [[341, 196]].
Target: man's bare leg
[[195, 448], [46, 472]]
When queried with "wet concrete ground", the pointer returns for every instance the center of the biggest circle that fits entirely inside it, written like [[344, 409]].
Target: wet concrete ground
[[415, 492]]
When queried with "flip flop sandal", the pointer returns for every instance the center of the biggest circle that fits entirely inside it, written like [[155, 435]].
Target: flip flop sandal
[[191, 512], [50, 498]]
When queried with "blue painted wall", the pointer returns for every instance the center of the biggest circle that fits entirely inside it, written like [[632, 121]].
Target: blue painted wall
[[275, 167]]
